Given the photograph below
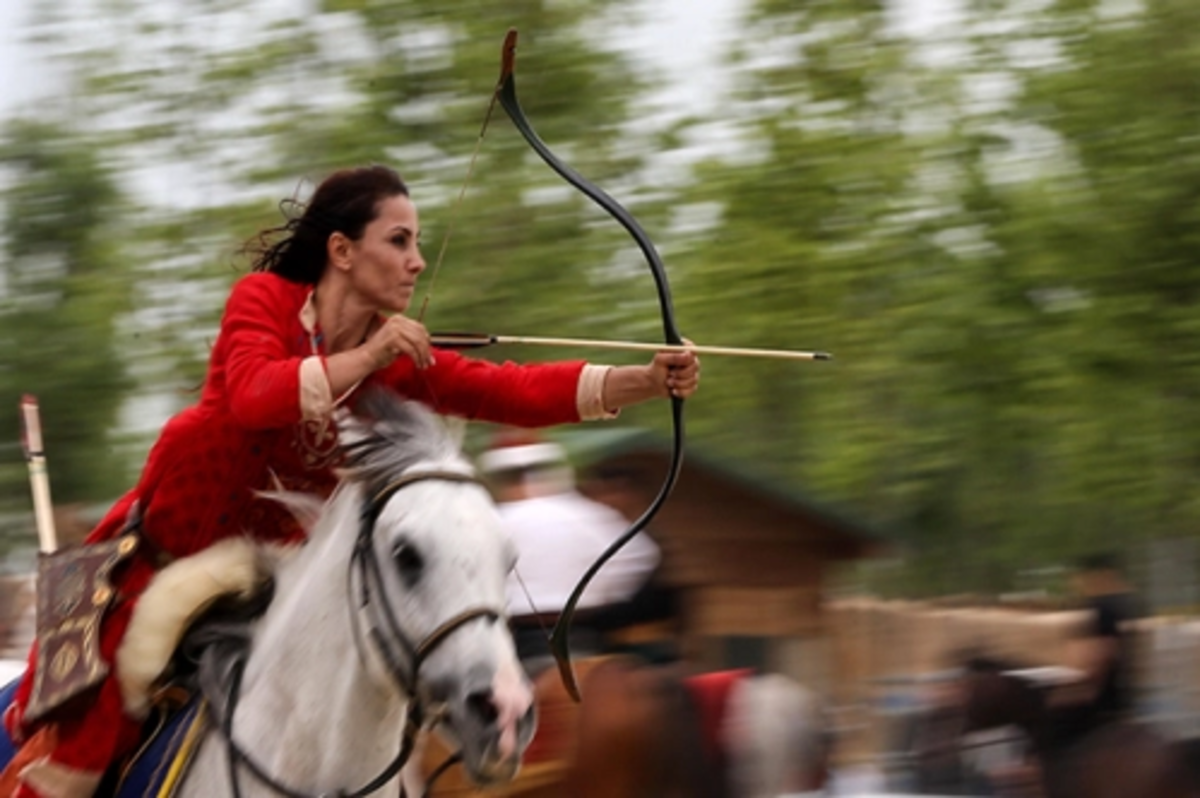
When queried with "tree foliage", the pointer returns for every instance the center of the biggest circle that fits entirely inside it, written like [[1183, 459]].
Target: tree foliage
[[995, 232], [64, 287], [999, 250]]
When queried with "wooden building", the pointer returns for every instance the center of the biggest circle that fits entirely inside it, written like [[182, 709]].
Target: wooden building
[[751, 557]]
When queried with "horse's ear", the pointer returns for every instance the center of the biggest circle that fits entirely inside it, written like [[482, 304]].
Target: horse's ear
[[305, 507]]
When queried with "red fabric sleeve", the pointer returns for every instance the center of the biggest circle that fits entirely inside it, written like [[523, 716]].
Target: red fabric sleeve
[[531, 395], [262, 376]]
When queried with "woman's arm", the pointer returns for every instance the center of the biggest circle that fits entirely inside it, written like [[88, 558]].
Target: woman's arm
[[262, 372], [540, 394], [669, 374]]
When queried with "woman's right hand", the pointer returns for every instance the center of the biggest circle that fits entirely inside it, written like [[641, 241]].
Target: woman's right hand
[[400, 335]]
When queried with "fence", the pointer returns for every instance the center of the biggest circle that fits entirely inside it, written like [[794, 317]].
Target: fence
[[885, 654], [17, 616]]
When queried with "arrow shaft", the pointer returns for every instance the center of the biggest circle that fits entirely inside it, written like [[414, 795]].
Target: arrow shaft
[[628, 346]]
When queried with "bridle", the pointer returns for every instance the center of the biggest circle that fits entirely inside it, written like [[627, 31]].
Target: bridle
[[394, 647]]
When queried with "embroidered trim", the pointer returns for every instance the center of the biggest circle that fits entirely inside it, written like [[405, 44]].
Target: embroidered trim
[[589, 396], [316, 397], [308, 314], [185, 752]]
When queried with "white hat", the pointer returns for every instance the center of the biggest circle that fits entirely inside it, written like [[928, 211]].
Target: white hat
[[510, 458]]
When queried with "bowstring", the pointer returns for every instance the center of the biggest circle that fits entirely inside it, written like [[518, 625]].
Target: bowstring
[[532, 605], [454, 210], [437, 266]]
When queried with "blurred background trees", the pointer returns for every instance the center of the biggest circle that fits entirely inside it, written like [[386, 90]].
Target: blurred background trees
[[65, 285], [994, 230]]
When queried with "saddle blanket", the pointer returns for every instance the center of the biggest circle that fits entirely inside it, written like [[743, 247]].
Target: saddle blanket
[[168, 743]]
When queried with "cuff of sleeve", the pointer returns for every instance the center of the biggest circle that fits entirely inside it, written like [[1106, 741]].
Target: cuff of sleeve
[[589, 395], [316, 397]]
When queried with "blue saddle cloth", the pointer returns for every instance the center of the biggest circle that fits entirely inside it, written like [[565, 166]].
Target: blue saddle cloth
[[147, 775], [7, 749]]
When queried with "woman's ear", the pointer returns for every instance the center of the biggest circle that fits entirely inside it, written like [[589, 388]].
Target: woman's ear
[[337, 251]]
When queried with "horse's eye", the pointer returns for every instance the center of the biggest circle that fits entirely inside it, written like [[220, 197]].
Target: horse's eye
[[408, 560]]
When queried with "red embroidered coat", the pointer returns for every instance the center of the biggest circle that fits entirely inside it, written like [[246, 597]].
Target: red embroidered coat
[[249, 427]]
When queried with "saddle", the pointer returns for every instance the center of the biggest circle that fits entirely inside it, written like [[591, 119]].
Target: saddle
[[75, 592], [157, 683], [170, 738], [157, 675]]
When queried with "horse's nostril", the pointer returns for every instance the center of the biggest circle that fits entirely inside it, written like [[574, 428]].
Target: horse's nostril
[[482, 706]]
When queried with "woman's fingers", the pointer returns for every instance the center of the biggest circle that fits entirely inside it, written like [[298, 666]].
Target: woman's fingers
[[680, 372], [413, 340], [403, 336]]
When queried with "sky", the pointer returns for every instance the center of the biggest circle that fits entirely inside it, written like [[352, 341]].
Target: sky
[[680, 34], [695, 27], [19, 73]]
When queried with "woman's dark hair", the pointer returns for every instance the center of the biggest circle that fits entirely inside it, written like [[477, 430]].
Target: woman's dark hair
[[345, 202]]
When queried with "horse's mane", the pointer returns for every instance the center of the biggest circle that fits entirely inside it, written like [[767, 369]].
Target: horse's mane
[[216, 642], [385, 437], [388, 435]]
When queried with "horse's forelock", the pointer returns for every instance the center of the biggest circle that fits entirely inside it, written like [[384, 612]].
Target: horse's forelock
[[388, 435]]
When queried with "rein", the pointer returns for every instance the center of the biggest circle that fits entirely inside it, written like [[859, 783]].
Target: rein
[[367, 561]]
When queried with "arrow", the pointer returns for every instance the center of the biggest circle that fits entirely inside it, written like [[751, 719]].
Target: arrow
[[479, 340]]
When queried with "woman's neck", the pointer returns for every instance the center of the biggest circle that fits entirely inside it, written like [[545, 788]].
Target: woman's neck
[[344, 322]]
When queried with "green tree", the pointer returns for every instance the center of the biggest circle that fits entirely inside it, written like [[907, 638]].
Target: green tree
[[1110, 240], [998, 247], [992, 246], [65, 288]]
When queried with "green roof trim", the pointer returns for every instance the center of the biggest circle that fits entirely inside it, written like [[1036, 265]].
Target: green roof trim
[[586, 447]]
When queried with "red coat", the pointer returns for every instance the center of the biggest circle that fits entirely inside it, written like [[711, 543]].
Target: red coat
[[247, 430]]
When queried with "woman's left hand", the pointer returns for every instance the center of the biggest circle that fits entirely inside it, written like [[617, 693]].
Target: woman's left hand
[[669, 374], [677, 372]]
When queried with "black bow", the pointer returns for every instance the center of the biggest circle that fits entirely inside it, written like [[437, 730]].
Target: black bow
[[506, 92]]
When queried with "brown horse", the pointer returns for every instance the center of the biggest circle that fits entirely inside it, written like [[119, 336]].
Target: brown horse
[[1070, 754], [653, 731], [650, 731]]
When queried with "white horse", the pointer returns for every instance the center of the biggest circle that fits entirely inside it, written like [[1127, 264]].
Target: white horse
[[389, 618]]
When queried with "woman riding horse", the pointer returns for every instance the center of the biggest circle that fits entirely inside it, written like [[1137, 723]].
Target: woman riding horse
[[321, 317]]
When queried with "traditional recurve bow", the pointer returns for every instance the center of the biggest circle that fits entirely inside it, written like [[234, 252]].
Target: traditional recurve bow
[[507, 96]]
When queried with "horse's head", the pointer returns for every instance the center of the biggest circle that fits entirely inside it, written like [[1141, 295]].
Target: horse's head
[[431, 565]]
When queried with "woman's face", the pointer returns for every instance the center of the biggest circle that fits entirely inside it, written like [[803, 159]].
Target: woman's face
[[386, 261]]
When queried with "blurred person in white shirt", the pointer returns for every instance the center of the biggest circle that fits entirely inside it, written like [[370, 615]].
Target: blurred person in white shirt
[[558, 533]]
